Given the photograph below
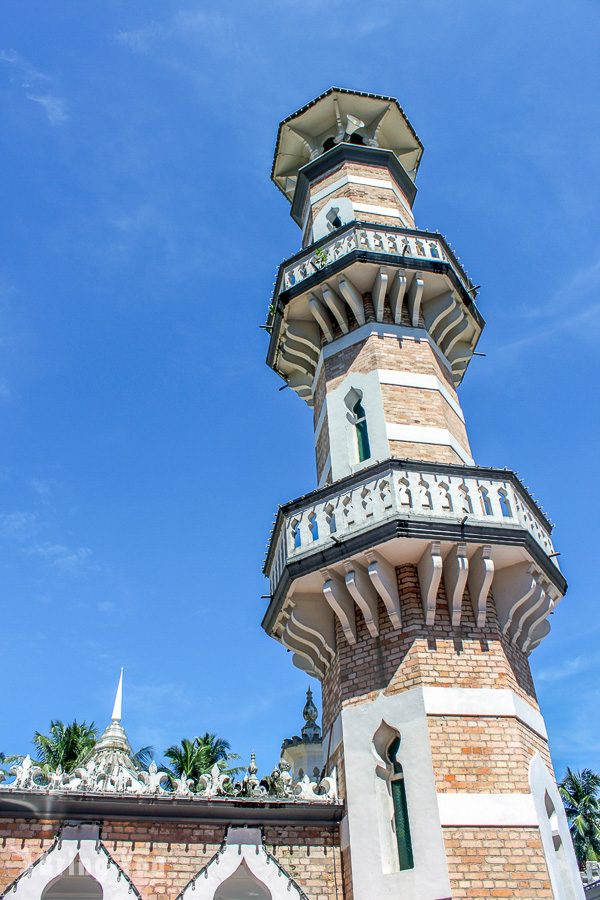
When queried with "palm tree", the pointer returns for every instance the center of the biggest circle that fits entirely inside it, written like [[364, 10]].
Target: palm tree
[[580, 795], [198, 756], [66, 745]]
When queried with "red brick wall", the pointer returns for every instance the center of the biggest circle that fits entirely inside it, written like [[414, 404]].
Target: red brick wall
[[496, 862], [161, 858]]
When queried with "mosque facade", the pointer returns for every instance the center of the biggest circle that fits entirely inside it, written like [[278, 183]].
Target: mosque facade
[[411, 582]]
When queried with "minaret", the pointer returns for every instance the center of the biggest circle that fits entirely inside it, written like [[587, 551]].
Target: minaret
[[412, 583]]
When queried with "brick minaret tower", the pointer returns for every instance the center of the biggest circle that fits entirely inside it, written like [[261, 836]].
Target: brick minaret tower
[[412, 583]]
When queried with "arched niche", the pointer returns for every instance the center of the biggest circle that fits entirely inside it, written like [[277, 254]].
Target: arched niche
[[75, 883], [77, 849], [242, 885], [244, 865]]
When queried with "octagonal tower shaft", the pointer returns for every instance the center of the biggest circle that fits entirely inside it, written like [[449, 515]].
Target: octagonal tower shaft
[[412, 583]]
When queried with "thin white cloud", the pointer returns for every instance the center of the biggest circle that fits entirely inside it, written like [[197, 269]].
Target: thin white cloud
[[41, 487], [54, 107], [213, 28], [566, 669], [574, 308], [39, 87], [70, 560]]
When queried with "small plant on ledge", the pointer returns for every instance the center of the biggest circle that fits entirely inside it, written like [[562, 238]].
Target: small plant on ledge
[[321, 258]]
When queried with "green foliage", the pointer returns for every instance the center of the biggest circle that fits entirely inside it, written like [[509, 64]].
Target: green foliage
[[580, 794], [321, 257], [65, 745], [196, 757]]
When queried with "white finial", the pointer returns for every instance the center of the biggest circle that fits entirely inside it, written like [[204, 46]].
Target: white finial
[[116, 713]]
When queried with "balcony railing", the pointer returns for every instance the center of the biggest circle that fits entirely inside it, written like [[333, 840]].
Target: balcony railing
[[405, 243], [481, 497]]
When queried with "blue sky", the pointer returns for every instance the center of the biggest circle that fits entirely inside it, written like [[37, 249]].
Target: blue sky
[[145, 445]]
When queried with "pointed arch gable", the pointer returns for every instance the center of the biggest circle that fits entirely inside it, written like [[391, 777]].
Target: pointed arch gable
[[554, 832], [242, 845], [72, 841]]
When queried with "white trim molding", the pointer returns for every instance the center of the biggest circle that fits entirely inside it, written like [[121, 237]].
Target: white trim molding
[[502, 810], [427, 434], [358, 179], [554, 833], [74, 841], [243, 848], [497, 702], [390, 211]]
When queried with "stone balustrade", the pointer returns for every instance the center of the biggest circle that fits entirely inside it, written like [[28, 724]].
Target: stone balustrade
[[411, 244], [488, 498]]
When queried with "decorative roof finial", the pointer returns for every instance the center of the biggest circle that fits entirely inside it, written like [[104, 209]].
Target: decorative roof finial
[[311, 731], [117, 708]]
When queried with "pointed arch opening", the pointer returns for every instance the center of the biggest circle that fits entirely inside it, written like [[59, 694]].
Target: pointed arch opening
[[74, 883], [242, 885], [358, 417], [394, 822]]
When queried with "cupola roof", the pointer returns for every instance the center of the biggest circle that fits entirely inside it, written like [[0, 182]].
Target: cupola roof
[[337, 116]]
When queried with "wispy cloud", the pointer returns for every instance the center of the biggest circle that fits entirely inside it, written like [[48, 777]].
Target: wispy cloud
[[25, 530], [41, 487], [190, 27], [574, 308], [38, 86], [70, 560], [567, 668]]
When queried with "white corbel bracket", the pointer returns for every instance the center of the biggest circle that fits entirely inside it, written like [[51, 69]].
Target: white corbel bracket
[[383, 577], [364, 595], [379, 291], [336, 594], [456, 570], [430, 573], [413, 298], [479, 581], [396, 297]]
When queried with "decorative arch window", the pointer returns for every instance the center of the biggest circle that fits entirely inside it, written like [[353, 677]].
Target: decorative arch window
[[401, 822], [362, 432], [367, 501], [295, 531], [390, 794], [465, 499], [445, 498], [404, 492], [330, 518], [313, 526], [358, 418], [385, 493], [485, 501], [433, 250], [424, 494], [504, 503]]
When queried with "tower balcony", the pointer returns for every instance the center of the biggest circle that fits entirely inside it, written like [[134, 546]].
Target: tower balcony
[[336, 550], [365, 272]]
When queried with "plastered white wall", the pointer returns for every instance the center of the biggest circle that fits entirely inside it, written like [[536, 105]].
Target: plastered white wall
[[429, 877]]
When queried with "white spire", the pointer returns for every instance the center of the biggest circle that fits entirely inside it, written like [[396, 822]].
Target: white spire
[[116, 713]]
